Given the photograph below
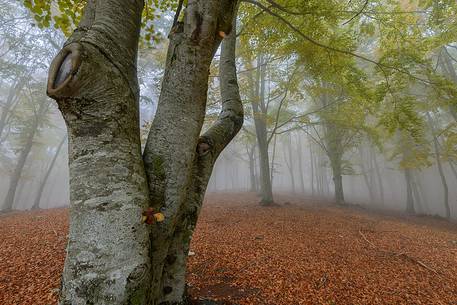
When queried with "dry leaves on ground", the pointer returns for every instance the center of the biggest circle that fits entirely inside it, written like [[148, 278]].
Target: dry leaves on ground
[[303, 252]]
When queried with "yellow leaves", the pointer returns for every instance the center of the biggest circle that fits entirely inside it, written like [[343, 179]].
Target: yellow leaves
[[159, 217], [150, 216]]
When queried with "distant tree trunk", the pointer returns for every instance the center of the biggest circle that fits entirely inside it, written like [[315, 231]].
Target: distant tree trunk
[[409, 192], [36, 204], [259, 112], [417, 198], [334, 152], [378, 175], [450, 73], [300, 164], [338, 181], [252, 175], [453, 169], [312, 169], [440, 167], [273, 157], [25, 151], [10, 100], [287, 152], [365, 176]]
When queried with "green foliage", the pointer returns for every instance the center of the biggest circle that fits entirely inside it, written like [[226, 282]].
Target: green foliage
[[66, 14]]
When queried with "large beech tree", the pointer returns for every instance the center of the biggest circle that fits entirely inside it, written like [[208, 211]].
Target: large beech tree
[[112, 256]]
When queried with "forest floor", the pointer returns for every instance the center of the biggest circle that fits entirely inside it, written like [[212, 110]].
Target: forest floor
[[303, 251]]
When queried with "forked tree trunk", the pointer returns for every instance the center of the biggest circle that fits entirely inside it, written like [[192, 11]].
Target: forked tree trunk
[[112, 257]]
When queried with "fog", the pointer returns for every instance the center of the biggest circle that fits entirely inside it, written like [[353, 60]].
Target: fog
[[377, 171]]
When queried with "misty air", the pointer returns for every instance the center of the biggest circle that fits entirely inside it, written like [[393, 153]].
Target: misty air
[[225, 152]]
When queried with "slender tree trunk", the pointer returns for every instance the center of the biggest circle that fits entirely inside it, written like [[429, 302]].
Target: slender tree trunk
[[417, 198], [450, 73], [290, 163], [273, 157], [365, 176], [378, 176], [215, 139], [25, 151], [10, 100], [300, 164], [261, 134], [252, 175], [312, 169], [440, 168], [36, 204]]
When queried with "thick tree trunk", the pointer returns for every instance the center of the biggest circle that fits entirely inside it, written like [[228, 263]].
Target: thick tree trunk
[[93, 79], [36, 204]]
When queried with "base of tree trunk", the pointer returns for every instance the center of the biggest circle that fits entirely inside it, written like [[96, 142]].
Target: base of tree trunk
[[198, 302], [268, 203]]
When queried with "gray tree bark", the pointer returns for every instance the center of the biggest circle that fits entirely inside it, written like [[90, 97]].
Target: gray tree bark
[[259, 113], [209, 146], [93, 79], [112, 257]]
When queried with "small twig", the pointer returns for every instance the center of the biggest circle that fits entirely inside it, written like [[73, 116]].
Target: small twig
[[399, 254], [364, 237]]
